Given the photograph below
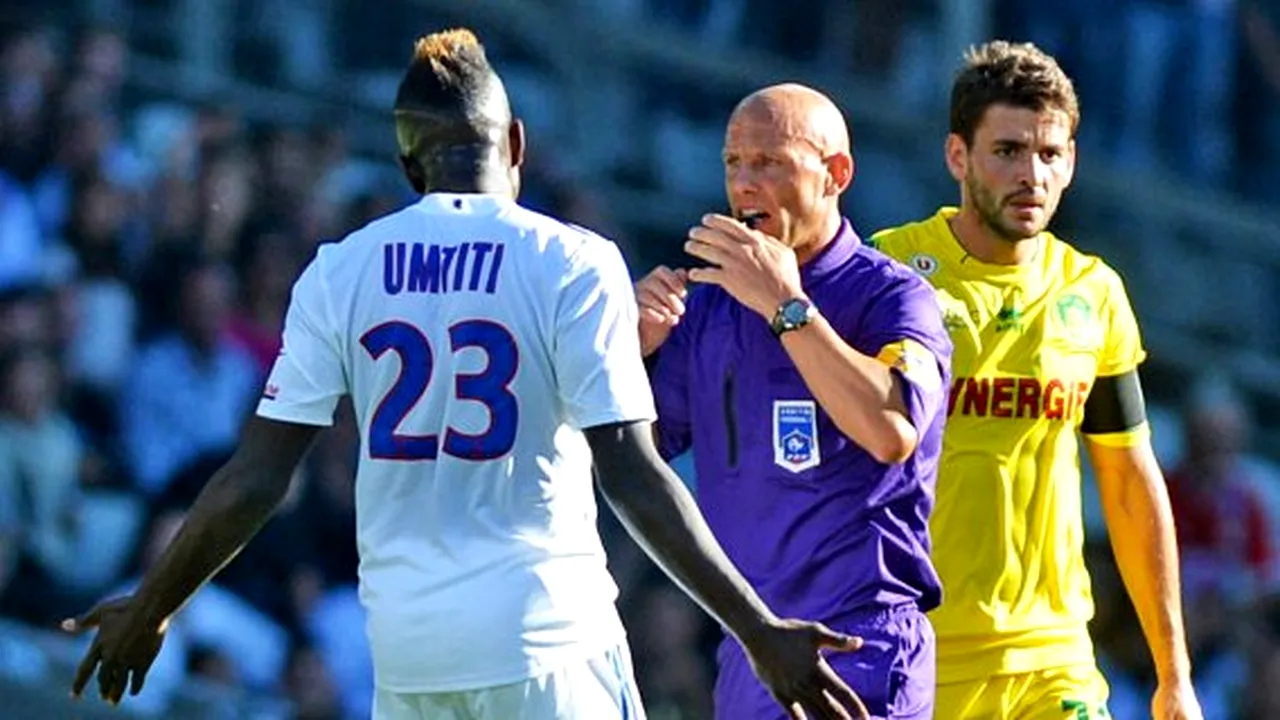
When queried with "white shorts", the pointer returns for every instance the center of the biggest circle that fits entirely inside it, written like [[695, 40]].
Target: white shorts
[[600, 688]]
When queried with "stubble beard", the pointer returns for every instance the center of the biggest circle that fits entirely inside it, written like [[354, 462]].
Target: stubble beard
[[990, 212]]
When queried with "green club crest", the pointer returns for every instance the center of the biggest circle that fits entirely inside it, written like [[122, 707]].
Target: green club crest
[[1074, 312]]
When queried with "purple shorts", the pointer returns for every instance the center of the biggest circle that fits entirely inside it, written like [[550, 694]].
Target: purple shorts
[[893, 673]]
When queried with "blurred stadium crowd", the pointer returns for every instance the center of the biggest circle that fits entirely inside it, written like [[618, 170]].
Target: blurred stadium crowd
[[148, 241]]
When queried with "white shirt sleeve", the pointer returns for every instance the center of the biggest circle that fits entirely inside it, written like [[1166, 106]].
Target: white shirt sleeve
[[598, 366], [307, 379]]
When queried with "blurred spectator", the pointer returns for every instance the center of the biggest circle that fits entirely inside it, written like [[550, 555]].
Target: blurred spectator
[[175, 210], [1225, 535], [225, 188], [218, 122], [1219, 661], [86, 144], [267, 263], [26, 317], [308, 684], [39, 488], [21, 245], [1224, 528], [287, 170], [29, 77], [1262, 696], [1184, 52], [1258, 104], [192, 387], [101, 343], [101, 67]]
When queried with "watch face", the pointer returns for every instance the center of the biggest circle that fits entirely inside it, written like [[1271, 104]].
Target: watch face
[[795, 312]]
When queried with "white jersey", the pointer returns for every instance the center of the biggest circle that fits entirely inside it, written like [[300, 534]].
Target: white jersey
[[476, 339]]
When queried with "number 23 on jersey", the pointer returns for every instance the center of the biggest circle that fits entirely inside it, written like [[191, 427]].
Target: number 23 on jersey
[[489, 387]]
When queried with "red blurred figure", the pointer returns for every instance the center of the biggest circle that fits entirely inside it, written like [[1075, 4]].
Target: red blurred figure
[[1224, 524]]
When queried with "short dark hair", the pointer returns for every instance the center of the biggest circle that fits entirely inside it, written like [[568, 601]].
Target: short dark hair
[[1004, 73], [447, 86]]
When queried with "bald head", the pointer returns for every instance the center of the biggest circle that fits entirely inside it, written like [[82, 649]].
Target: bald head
[[798, 112], [787, 161]]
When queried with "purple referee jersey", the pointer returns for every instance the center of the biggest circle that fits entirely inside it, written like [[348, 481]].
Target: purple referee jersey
[[821, 529]]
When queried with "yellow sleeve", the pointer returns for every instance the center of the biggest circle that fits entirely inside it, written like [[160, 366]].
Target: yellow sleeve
[[1122, 350], [876, 241]]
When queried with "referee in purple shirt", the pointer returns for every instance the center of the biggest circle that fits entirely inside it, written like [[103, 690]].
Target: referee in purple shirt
[[808, 373]]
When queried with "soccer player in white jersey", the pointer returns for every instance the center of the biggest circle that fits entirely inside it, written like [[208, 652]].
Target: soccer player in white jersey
[[491, 354]]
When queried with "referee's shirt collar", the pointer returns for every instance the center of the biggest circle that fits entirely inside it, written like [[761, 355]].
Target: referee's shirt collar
[[834, 255]]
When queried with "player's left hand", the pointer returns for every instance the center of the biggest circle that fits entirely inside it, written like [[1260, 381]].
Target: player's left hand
[[122, 651], [787, 658], [756, 269], [1176, 700]]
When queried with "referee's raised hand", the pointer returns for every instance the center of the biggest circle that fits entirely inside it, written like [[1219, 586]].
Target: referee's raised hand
[[660, 295]]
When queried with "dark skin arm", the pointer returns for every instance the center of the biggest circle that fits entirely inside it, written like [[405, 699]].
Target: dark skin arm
[[647, 495], [658, 511], [237, 501]]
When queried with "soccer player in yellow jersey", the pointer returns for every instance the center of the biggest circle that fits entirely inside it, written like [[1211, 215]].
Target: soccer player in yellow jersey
[[1046, 344]]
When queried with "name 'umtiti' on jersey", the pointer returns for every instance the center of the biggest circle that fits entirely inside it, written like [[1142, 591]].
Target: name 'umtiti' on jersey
[[434, 269]]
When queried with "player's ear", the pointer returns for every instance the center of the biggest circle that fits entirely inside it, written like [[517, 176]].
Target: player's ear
[[956, 152], [840, 172], [515, 141], [414, 173]]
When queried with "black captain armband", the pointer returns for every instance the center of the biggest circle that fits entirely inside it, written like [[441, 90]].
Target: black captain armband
[[1115, 405]]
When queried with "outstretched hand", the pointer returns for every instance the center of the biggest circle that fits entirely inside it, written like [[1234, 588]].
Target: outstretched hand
[[787, 658], [122, 652]]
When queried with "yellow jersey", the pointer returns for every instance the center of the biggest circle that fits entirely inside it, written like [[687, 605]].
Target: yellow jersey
[[1008, 529]]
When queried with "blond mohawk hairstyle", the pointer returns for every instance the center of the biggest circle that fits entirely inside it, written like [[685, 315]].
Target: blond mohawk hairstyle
[[448, 68], [443, 44], [449, 94]]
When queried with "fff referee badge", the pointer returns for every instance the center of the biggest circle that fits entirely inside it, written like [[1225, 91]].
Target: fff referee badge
[[795, 435]]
